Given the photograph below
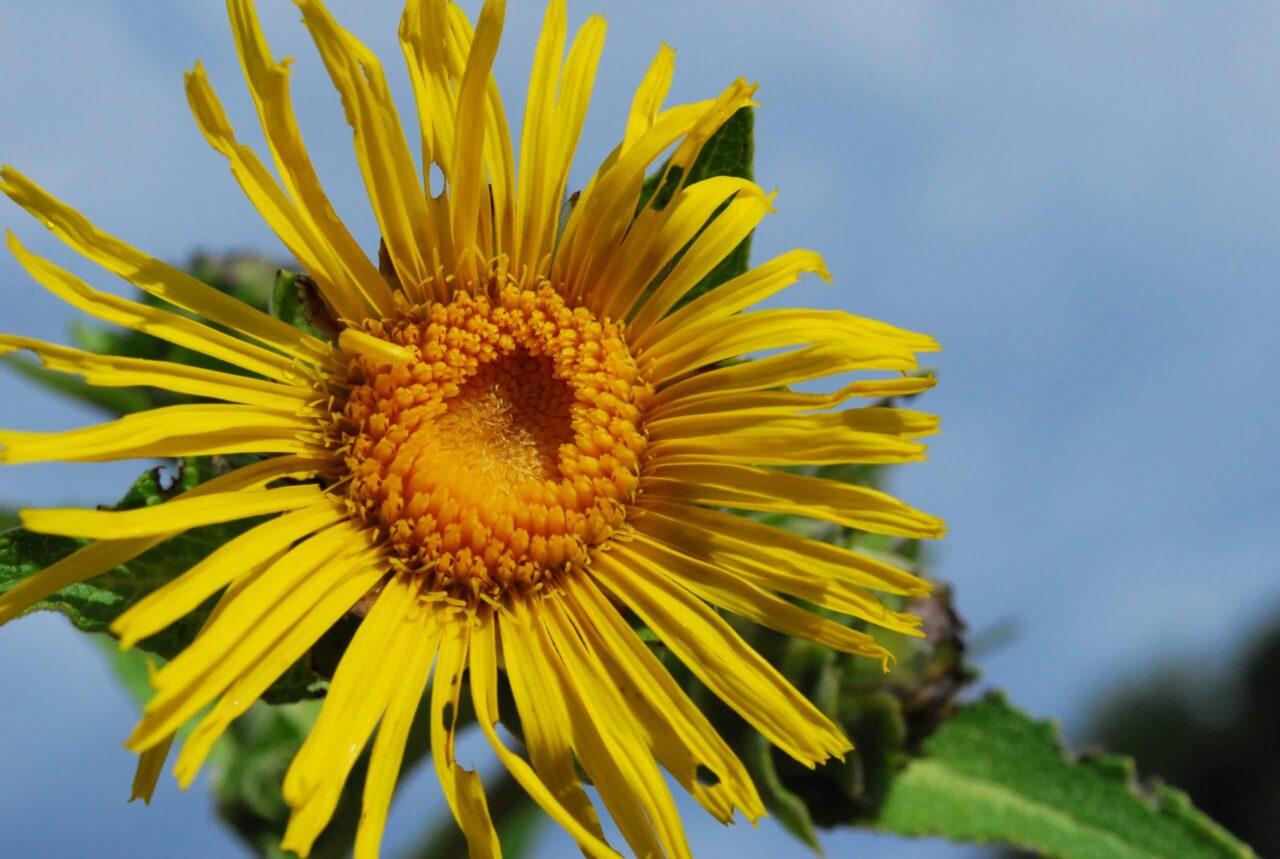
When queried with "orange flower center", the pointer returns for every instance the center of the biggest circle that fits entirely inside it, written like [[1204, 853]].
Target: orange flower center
[[503, 449]]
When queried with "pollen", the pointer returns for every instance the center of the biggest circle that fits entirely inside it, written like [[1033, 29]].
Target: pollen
[[503, 450]]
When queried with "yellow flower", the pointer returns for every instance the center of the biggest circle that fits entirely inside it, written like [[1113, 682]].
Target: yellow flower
[[517, 444]]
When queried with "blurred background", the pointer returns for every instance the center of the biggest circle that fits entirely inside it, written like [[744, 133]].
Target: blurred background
[[1080, 202]]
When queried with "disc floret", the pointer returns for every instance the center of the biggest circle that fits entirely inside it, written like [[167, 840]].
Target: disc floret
[[505, 447]]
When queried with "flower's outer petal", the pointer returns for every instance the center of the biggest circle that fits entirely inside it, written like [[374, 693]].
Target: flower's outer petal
[[751, 403], [468, 190], [390, 177], [147, 773], [484, 694], [151, 762], [649, 95], [606, 209], [906, 423], [393, 733], [836, 438], [270, 602], [739, 293], [155, 321], [543, 717], [554, 114], [185, 430], [154, 277], [726, 231], [747, 488], [103, 555], [779, 559], [182, 595], [643, 116], [462, 787], [307, 244], [826, 358], [372, 665], [658, 236], [424, 28], [116, 372], [537, 135], [269, 84], [700, 345], [726, 591], [498, 156], [719, 657], [283, 652], [684, 739], [181, 514], [611, 744]]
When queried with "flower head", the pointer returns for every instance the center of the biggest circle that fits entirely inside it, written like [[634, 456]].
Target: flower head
[[518, 444]]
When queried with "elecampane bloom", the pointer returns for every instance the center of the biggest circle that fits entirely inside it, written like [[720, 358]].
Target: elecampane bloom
[[518, 442]]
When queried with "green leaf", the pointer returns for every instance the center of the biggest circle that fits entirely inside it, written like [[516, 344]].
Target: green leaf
[[92, 605], [992, 774]]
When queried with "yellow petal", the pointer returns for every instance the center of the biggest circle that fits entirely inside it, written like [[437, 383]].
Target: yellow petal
[[155, 321], [97, 558], [787, 440], [498, 158], [719, 239], [152, 276], [827, 358], [180, 514], [390, 177], [269, 85], [187, 430], [778, 559], [278, 657], [741, 292], [699, 344], [255, 547], [762, 402], [484, 696], [362, 686], [388, 748], [658, 236], [147, 773], [649, 95], [723, 661], [604, 213], [747, 488], [269, 603], [462, 788], [537, 136], [294, 228], [116, 372], [684, 740], [554, 115], [611, 744], [543, 716], [467, 187], [744, 599]]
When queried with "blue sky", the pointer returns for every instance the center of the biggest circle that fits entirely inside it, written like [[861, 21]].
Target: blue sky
[[1080, 201]]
